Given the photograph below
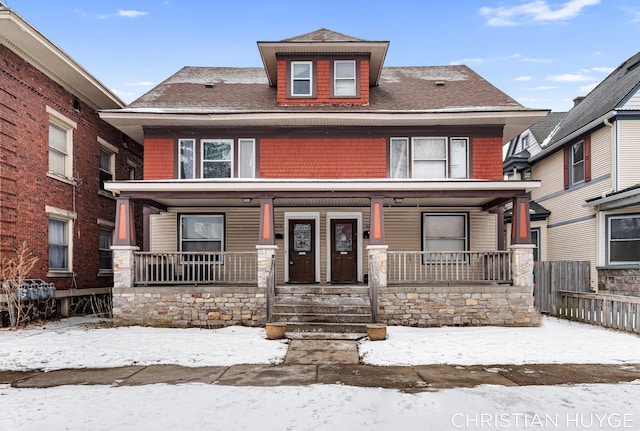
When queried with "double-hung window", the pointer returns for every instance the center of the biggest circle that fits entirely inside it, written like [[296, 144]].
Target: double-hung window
[[445, 232], [217, 158], [431, 157], [186, 159], [107, 163], [399, 157], [104, 247], [201, 232], [624, 239], [577, 162], [60, 144], [301, 78], [246, 158], [60, 241], [344, 78]]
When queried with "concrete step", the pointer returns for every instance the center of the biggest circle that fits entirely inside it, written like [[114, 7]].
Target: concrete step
[[322, 308], [325, 335], [313, 300], [322, 318], [326, 328], [318, 290]]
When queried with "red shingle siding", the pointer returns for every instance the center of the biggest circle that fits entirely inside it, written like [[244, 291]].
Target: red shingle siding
[[159, 159], [323, 86], [25, 187], [487, 158], [323, 158]]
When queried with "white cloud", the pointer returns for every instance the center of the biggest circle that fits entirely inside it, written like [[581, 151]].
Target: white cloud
[[606, 70], [587, 88], [140, 84], [634, 12], [534, 11], [569, 77], [544, 88], [131, 13], [469, 61], [523, 78], [536, 60]]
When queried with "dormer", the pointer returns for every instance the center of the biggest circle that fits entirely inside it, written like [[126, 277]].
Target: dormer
[[323, 68]]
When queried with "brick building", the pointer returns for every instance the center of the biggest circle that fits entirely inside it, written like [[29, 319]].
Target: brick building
[[371, 193], [56, 154]]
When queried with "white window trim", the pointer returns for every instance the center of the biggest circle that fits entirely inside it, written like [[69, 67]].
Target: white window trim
[[252, 174], [336, 79], [112, 150], [467, 240], [69, 126], [193, 167], [231, 155], [466, 160], [293, 93], [222, 239], [106, 225], [446, 154], [609, 218], [132, 167], [392, 161], [68, 217], [572, 165]]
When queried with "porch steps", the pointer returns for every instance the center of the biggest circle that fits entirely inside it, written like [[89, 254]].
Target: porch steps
[[316, 312]]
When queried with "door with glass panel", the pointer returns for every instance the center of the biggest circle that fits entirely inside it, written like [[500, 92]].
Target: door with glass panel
[[302, 257], [344, 251]]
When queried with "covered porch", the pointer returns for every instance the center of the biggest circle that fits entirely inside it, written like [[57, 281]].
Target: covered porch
[[331, 234]]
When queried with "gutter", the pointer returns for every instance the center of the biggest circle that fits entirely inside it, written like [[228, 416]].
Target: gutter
[[604, 119]]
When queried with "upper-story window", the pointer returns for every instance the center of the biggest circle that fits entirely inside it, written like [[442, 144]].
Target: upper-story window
[[60, 145], [186, 159], [217, 158], [577, 162], [107, 163], [246, 158], [431, 157], [344, 78], [301, 78]]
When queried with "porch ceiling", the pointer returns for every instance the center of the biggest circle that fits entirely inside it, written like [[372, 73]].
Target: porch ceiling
[[323, 193]]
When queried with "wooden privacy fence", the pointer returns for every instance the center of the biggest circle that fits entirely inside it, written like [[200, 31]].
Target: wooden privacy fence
[[610, 311], [552, 277]]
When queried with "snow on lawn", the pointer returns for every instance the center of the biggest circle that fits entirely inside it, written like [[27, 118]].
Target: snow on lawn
[[77, 343], [320, 407], [80, 343], [555, 342]]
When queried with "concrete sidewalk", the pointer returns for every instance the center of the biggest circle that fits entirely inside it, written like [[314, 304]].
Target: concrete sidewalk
[[330, 362]]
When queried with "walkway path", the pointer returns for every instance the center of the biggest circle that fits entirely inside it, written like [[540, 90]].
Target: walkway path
[[330, 362]]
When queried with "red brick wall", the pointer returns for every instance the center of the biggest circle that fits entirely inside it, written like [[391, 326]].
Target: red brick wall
[[25, 188], [159, 159], [487, 158], [323, 158], [322, 86]]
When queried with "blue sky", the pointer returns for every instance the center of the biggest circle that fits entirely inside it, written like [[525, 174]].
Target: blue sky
[[543, 53]]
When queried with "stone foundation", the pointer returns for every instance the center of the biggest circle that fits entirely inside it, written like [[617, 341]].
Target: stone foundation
[[619, 281], [32, 311], [457, 305], [189, 306]]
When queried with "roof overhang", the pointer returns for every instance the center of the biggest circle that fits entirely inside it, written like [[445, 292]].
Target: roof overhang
[[467, 193], [376, 50], [27, 42], [615, 201], [132, 122]]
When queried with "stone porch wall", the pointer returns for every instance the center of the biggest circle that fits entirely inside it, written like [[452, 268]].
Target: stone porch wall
[[619, 281], [189, 306], [457, 305]]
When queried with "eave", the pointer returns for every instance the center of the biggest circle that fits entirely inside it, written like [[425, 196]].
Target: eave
[[27, 42], [133, 122]]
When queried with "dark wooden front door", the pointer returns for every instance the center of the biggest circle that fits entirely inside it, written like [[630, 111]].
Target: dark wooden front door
[[344, 251], [302, 256]]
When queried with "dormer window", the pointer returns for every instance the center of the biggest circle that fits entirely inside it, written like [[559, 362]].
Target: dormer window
[[301, 78], [344, 80]]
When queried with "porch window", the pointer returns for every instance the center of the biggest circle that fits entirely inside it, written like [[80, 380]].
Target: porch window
[[202, 233], [186, 159], [624, 239], [301, 78], [399, 157], [217, 158], [246, 158], [445, 232], [344, 81]]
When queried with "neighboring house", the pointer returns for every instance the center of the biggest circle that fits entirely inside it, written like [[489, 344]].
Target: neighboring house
[[591, 182], [355, 182], [55, 156]]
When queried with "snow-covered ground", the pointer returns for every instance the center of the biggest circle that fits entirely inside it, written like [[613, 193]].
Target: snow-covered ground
[[73, 343]]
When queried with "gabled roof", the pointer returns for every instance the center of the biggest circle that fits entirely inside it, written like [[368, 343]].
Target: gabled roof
[[31, 45], [323, 41], [543, 128], [600, 104], [541, 132]]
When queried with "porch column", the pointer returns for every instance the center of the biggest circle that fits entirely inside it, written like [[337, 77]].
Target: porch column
[[267, 235], [376, 224], [267, 275], [520, 222], [123, 266], [125, 229], [377, 275], [522, 264]]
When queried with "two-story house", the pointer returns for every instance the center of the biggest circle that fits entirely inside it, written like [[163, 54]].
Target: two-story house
[[55, 156], [350, 178], [591, 182]]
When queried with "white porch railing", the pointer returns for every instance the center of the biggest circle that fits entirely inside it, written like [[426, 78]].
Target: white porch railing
[[449, 267], [195, 268]]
